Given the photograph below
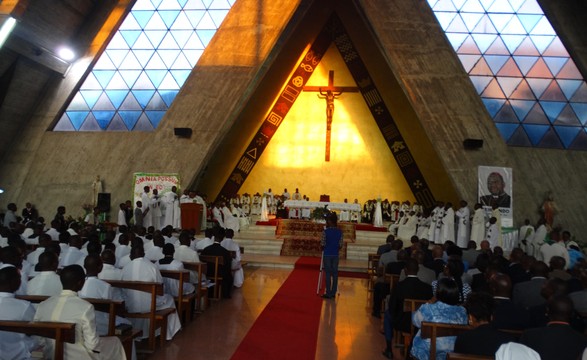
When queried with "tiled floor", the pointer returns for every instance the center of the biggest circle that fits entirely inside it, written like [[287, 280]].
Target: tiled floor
[[347, 330]]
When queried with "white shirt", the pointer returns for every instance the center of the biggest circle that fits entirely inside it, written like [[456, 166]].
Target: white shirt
[[121, 218], [33, 257], [96, 288], [72, 256], [204, 243], [172, 285], [110, 272], [68, 307], [14, 345], [53, 233], [45, 283], [155, 253]]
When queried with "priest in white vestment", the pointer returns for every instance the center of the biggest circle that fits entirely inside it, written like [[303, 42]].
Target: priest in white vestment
[[204, 221], [169, 199], [423, 226], [217, 215], [463, 214], [478, 225], [448, 224], [437, 231], [168, 262], [121, 220], [238, 275], [69, 307], [433, 221], [230, 222], [141, 269], [156, 210], [408, 227], [525, 236], [46, 282]]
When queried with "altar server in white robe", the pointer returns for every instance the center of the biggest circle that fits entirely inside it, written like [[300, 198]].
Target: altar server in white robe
[[200, 200], [538, 239], [169, 199], [121, 221], [448, 224], [437, 231], [141, 269], [230, 222], [146, 201], [217, 215], [463, 214], [478, 225], [238, 275], [409, 227], [492, 232], [156, 210], [69, 307], [14, 345]]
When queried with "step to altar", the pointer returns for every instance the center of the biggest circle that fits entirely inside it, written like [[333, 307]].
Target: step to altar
[[260, 240]]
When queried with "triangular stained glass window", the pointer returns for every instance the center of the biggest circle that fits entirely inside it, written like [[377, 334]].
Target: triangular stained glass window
[[157, 46], [514, 57]]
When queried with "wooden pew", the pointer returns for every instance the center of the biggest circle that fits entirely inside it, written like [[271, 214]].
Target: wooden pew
[[184, 302], [201, 291], [216, 262], [431, 330], [157, 318], [59, 331], [112, 307], [372, 266], [411, 306]]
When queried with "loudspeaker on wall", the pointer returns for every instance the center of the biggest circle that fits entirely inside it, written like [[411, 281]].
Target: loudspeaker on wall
[[182, 132], [104, 202], [471, 144]]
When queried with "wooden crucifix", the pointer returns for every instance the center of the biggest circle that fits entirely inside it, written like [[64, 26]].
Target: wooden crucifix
[[330, 93]]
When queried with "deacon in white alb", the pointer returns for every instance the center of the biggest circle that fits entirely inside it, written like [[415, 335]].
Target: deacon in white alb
[[463, 215]]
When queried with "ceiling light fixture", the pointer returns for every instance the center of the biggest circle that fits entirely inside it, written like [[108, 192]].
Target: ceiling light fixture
[[66, 53], [6, 29]]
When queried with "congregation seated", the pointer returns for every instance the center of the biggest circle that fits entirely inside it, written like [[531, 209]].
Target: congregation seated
[[444, 308], [527, 293], [141, 269], [14, 345], [171, 286], [226, 271], [69, 307], [484, 339], [381, 288], [46, 282], [206, 241]]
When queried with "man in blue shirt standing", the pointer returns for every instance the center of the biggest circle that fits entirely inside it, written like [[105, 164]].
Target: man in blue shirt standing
[[331, 243]]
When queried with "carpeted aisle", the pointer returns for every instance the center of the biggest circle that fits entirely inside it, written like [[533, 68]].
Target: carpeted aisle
[[288, 326]]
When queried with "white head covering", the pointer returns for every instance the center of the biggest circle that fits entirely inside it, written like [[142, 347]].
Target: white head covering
[[515, 351], [71, 232]]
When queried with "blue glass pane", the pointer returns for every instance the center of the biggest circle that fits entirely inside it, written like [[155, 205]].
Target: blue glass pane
[[567, 134], [522, 107], [156, 47], [581, 111], [506, 130], [552, 109], [535, 132], [493, 105]]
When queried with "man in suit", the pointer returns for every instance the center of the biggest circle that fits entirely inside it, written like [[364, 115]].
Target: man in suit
[[484, 339], [527, 293], [557, 340], [218, 250], [387, 246], [506, 314], [437, 264], [410, 288], [515, 270]]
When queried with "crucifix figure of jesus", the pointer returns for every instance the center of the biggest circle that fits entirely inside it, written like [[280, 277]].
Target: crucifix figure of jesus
[[330, 93]]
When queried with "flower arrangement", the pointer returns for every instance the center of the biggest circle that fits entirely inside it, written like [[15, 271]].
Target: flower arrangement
[[320, 213]]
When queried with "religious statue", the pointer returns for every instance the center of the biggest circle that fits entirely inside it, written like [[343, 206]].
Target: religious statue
[[549, 209], [96, 189]]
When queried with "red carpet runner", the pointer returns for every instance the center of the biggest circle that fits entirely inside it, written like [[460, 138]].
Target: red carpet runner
[[288, 326]]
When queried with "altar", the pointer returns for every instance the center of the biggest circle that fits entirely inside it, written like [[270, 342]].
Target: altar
[[302, 237], [299, 204]]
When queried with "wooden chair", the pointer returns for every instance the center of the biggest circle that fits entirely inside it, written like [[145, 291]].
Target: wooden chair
[[59, 331], [183, 302], [157, 318], [201, 290], [431, 330], [216, 262], [457, 356], [405, 338], [112, 307], [372, 266]]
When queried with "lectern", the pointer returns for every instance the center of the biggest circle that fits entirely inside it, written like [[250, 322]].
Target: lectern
[[191, 216]]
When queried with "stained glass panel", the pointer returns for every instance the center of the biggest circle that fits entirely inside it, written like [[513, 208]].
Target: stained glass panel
[[529, 84], [148, 60]]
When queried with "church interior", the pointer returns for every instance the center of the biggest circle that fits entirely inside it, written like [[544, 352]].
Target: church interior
[[353, 99]]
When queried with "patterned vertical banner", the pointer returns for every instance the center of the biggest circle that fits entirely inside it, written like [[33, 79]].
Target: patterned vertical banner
[[382, 116], [276, 115]]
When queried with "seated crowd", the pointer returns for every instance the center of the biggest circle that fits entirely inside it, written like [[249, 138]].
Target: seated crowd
[[51, 262], [503, 300]]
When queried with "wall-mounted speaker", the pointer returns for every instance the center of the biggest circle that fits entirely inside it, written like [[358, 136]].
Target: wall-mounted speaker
[[472, 144], [182, 132], [103, 202]]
